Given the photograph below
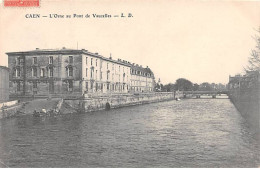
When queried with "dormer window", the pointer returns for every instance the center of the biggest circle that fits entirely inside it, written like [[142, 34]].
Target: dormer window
[[51, 60], [34, 60]]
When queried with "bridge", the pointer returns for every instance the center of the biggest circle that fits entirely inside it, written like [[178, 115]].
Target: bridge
[[204, 93]]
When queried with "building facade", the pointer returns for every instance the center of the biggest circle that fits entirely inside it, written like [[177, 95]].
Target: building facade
[[4, 84], [142, 79], [65, 71]]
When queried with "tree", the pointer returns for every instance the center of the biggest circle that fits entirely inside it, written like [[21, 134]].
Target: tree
[[254, 59], [195, 87], [169, 87], [205, 87], [183, 84]]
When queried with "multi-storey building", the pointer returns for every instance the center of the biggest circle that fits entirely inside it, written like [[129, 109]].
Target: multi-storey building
[[4, 84], [142, 79], [64, 71]]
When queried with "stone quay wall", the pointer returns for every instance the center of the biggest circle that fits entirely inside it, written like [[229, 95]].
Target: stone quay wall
[[89, 104], [247, 101]]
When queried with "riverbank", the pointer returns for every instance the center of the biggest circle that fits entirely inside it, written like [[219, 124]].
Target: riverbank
[[85, 104], [246, 98]]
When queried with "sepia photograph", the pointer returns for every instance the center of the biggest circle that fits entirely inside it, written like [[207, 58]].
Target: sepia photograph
[[129, 84]]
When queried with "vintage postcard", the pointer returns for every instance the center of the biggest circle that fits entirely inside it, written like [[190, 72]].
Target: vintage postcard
[[129, 84]]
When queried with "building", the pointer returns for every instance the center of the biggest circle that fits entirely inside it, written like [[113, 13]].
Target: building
[[66, 71], [4, 84], [247, 81], [142, 79]]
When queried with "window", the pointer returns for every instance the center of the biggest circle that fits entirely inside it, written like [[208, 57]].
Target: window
[[70, 59], [96, 86], [100, 75], [86, 86], [51, 72], [70, 72], [113, 67], [18, 86], [107, 65], [91, 85], [119, 68], [34, 84], [51, 60], [91, 73], [107, 76], [86, 60], [107, 86], [18, 61], [34, 72], [86, 72], [91, 61], [96, 62], [96, 74], [42, 72], [18, 72], [70, 85], [34, 60]]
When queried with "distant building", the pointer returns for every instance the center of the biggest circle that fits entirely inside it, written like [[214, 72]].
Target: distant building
[[249, 80], [65, 71], [142, 79], [4, 84]]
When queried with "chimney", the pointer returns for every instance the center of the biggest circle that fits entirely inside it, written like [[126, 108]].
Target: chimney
[[96, 53], [37, 48], [63, 48]]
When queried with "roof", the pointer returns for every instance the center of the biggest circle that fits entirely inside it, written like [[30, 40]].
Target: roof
[[67, 51], [140, 68], [4, 67]]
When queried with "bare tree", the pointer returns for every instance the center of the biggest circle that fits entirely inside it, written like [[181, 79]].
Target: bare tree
[[254, 59]]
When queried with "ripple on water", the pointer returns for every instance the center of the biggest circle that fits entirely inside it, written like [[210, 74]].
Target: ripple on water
[[187, 133]]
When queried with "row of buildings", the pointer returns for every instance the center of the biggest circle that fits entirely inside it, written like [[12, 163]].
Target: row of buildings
[[64, 71]]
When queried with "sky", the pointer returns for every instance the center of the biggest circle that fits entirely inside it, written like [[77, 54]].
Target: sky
[[202, 41]]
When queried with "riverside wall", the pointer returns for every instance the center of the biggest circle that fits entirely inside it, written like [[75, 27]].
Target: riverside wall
[[89, 104], [247, 101]]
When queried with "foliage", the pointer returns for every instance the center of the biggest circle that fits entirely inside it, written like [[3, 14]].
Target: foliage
[[183, 84]]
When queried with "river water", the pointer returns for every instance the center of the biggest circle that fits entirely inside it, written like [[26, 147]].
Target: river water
[[187, 133]]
